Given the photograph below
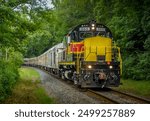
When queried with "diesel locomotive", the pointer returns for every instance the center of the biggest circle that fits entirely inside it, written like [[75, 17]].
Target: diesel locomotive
[[88, 56]]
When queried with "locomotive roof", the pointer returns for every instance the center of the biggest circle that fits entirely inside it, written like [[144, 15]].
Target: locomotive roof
[[99, 27]]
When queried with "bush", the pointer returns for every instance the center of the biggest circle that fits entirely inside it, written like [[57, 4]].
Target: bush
[[137, 67], [9, 73], [8, 77]]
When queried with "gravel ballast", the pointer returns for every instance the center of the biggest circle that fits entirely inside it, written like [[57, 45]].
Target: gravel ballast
[[62, 92]]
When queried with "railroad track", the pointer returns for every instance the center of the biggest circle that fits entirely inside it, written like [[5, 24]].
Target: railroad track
[[113, 96], [110, 95], [117, 97], [101, 96]]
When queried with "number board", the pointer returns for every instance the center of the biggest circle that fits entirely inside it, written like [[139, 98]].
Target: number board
[[100, 29], [84, 29]]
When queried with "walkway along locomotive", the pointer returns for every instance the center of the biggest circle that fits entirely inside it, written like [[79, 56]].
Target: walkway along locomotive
[[87, 56]]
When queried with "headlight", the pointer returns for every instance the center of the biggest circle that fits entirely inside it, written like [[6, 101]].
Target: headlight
[[93, 28], [89, 66], [93, 24], [110, 67]]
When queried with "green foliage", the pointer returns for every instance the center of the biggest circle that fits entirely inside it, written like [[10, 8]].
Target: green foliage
[[8, 77], [22, 24], [28, 89], [9, 72], [147, 43]]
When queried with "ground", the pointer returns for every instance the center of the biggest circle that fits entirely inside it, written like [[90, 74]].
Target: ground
[[38, 87]]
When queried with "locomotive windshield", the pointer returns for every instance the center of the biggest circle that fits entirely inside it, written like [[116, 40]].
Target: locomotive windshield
[[83, 31]]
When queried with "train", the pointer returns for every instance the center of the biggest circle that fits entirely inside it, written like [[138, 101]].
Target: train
[[88, 56]]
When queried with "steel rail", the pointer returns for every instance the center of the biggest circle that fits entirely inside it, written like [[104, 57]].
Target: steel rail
[[132, 96], [106, 97]]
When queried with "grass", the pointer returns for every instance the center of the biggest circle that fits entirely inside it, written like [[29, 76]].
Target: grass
[[28, 89], [28, 74], [141, 88]]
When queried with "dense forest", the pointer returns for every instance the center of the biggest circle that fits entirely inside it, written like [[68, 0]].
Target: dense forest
[[30, 27]]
